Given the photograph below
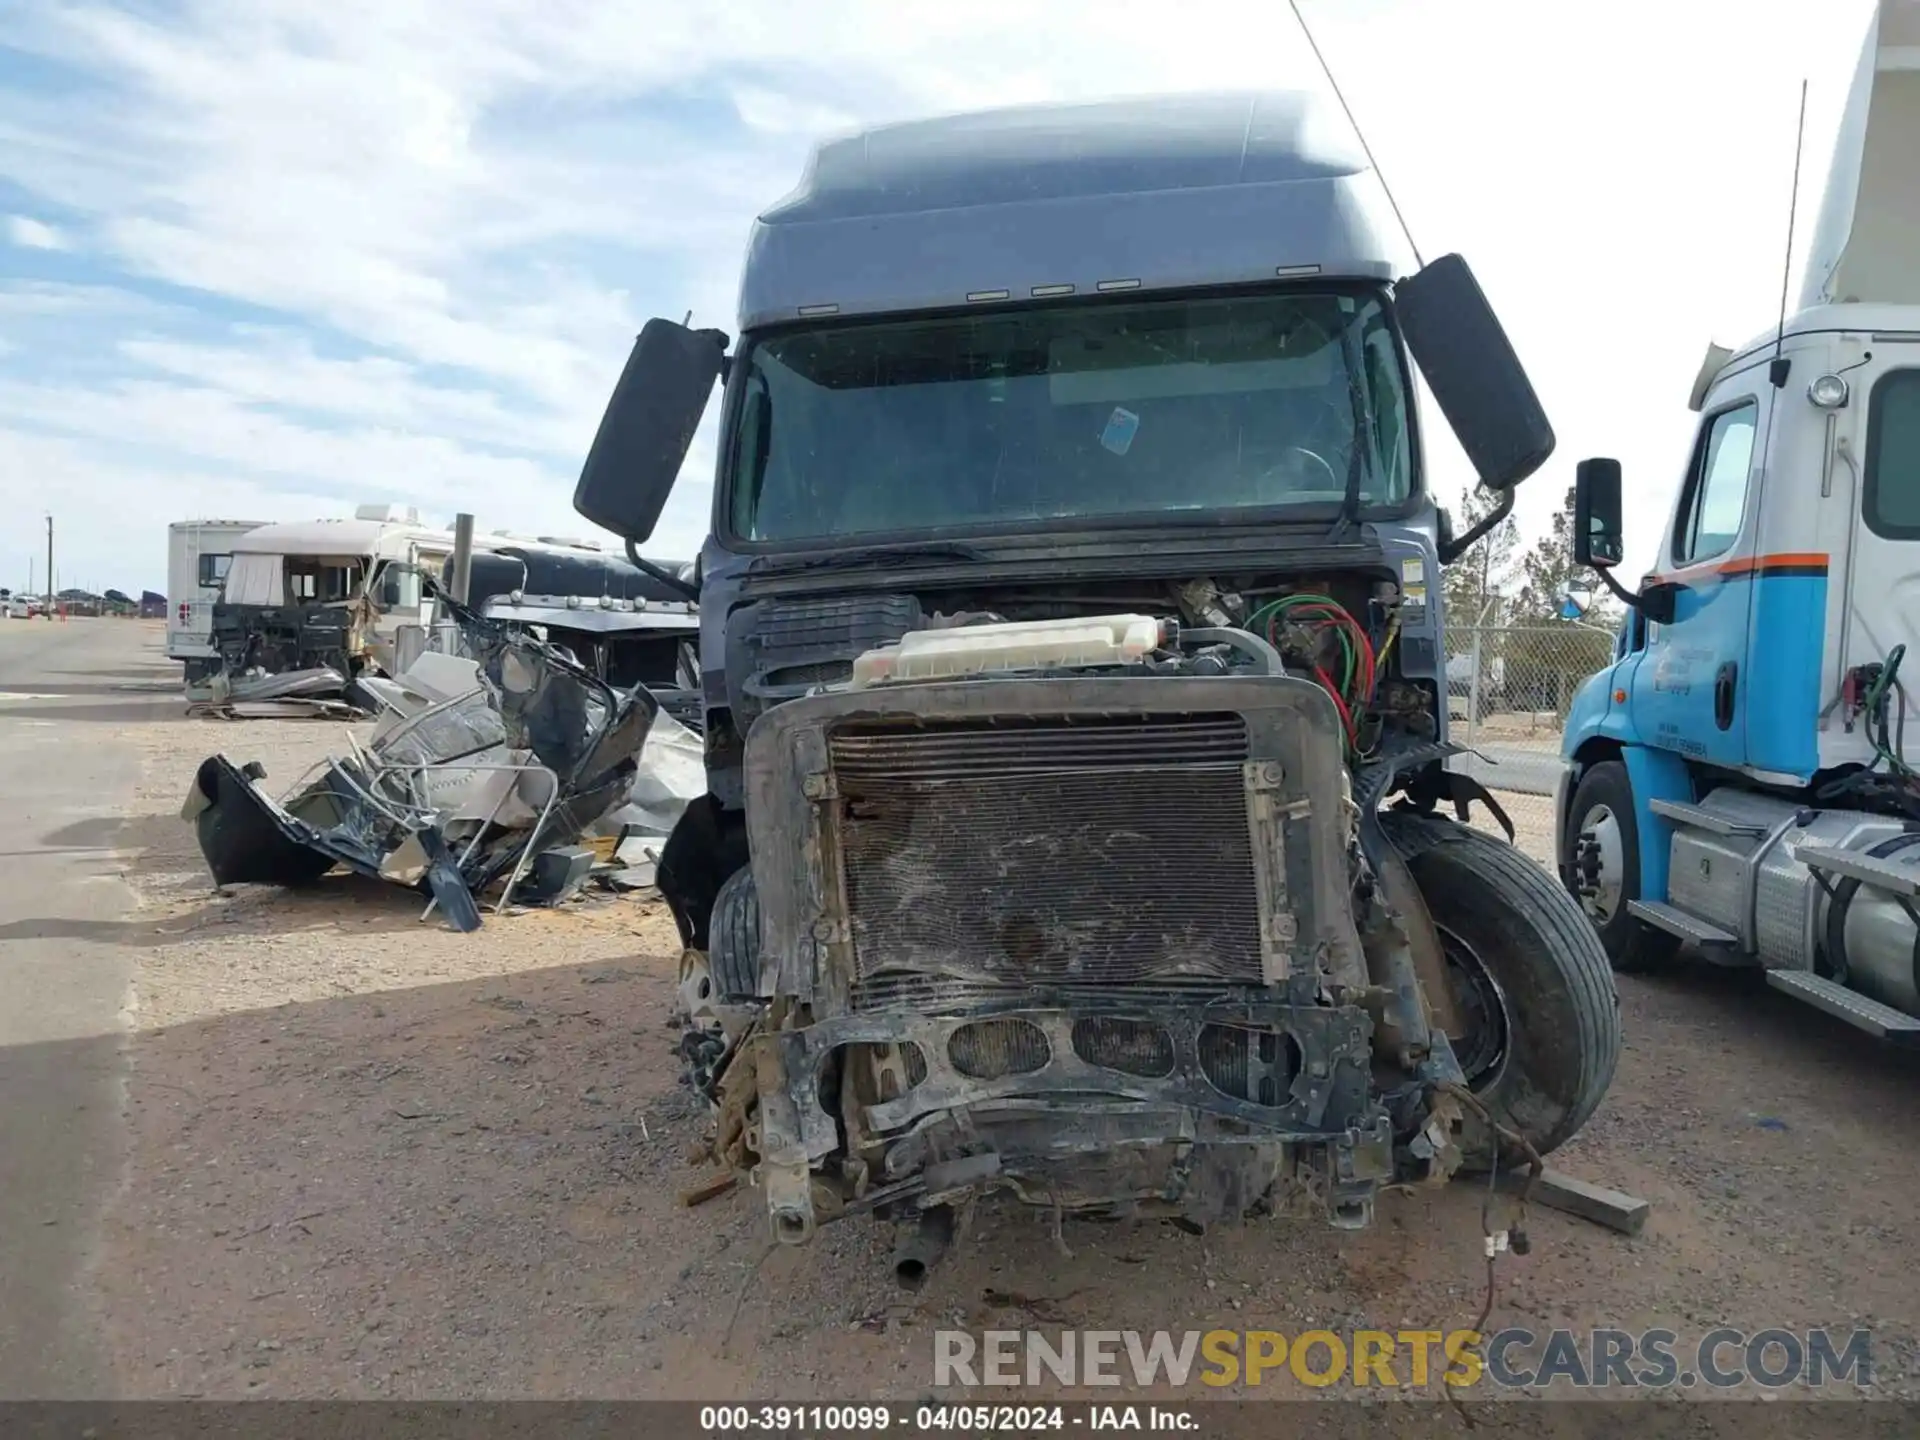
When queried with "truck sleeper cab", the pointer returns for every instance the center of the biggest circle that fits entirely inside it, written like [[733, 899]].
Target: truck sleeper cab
[[1070, 609]]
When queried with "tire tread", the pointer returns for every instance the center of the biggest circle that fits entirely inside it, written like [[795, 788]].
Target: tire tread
[[1573, 947]]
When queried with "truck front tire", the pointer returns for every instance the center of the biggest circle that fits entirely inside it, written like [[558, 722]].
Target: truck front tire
[[1602, 834], [1525, 962]]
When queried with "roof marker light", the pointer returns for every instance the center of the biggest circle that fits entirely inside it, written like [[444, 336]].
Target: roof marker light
[[975, 296], [1829, 392], [810, 310], [1041, 292], [1289, 272], [1118, 285]]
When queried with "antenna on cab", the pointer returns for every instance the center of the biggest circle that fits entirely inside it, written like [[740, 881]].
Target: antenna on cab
[[1327, 70], [1779, 366]]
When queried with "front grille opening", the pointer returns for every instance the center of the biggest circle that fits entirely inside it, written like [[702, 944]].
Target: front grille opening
[[879, 1072], [948, 749], [1133, 1047], [994, 1049], [1112, 851], [1245, 1063]]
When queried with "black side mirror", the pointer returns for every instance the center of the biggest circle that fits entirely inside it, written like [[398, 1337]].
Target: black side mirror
[[1598, 542], [648, 426], [1476, 378], [1597, 525]]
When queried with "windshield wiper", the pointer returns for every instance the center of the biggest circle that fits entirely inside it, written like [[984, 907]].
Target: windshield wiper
[[868, 555], [1362, 431]]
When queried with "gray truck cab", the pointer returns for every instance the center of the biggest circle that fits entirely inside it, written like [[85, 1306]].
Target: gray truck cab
[[1071, 603]]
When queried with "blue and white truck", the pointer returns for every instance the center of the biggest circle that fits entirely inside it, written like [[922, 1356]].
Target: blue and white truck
[[1736, 780]]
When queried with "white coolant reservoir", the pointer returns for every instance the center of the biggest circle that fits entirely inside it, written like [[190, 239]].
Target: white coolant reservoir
[[1002, 649]]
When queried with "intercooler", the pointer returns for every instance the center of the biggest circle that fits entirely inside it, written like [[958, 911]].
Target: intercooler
[[1118, 845], [1102, 854]]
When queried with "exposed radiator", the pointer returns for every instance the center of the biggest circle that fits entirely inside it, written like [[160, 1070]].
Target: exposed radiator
[[1108, 853]]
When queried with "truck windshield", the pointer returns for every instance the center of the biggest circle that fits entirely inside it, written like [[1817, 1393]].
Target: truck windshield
[[316, 580], [1091, 411]]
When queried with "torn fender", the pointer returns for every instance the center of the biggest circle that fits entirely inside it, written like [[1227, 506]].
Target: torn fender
[[246, 837]]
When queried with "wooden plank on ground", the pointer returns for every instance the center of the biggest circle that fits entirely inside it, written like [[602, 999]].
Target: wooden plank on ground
[[1558, 1190]]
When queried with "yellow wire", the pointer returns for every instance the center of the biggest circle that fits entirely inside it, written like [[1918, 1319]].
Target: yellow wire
[[1386, 647]]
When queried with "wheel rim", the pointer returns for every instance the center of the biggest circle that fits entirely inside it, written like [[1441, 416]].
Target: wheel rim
[[1481, 1045], [1599, 864]]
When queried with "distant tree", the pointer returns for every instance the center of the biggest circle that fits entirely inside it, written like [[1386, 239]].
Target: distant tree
[[1553, 652], [1548, 571], [1480, 578]]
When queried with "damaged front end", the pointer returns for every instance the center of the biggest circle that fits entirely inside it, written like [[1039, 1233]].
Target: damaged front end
[[1109, 943]]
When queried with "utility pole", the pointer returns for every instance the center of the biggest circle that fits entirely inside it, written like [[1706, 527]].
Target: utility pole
[[47, 609], [462, 577]]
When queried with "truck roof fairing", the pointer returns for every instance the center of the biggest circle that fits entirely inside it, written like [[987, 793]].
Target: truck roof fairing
[[1044, 201]]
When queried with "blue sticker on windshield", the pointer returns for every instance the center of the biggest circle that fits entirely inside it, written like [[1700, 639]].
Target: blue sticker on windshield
[[1122, 426]]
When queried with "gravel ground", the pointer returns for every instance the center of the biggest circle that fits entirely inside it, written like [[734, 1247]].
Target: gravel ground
[[371, 1157]]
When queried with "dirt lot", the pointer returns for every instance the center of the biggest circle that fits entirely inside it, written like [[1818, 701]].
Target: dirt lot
[[371, 1157]]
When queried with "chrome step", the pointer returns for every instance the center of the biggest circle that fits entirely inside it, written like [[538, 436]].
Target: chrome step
[[1860, 1011], [1867, 869], [1684, 814], [1688, 927]]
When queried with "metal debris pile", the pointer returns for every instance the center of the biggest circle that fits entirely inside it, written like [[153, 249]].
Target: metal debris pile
[[321, 693], [502, 769]]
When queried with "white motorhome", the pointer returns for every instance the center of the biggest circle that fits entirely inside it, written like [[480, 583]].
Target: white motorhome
[[198, 553], [310, 592]]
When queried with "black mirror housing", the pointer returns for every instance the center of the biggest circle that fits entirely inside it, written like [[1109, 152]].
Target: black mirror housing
[[648, 426], [1597, 519], [1476, 378]]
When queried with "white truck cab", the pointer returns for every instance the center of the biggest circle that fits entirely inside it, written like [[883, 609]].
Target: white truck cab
[[1737, 780]]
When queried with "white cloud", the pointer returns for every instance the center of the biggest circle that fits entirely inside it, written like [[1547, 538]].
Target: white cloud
[[31, 234], [398, 250]]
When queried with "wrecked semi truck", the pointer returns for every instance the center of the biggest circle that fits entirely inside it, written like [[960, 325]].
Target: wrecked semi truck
[[627, 625], [1076, 715]]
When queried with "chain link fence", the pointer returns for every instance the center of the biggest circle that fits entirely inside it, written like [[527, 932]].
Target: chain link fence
[[1508, 691]]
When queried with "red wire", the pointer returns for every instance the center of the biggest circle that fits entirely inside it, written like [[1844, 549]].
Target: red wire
[[1346, 715], [1321, 615]]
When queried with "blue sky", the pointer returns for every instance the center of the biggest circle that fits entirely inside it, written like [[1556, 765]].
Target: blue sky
[[271, 258]]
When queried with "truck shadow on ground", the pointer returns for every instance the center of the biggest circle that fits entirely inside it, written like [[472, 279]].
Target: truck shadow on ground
[[474, 1189], [114, 712], [338, 902], [183, 903]]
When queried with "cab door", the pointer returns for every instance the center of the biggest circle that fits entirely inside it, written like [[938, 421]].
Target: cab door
[[1690, 690], [1884, 587]]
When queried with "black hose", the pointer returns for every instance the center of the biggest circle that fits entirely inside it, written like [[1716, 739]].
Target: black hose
[[1245, 641], [921, 1248]]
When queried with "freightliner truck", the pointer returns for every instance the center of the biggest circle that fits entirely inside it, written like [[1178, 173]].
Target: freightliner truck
[[1736, 780], [1080, 823]]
